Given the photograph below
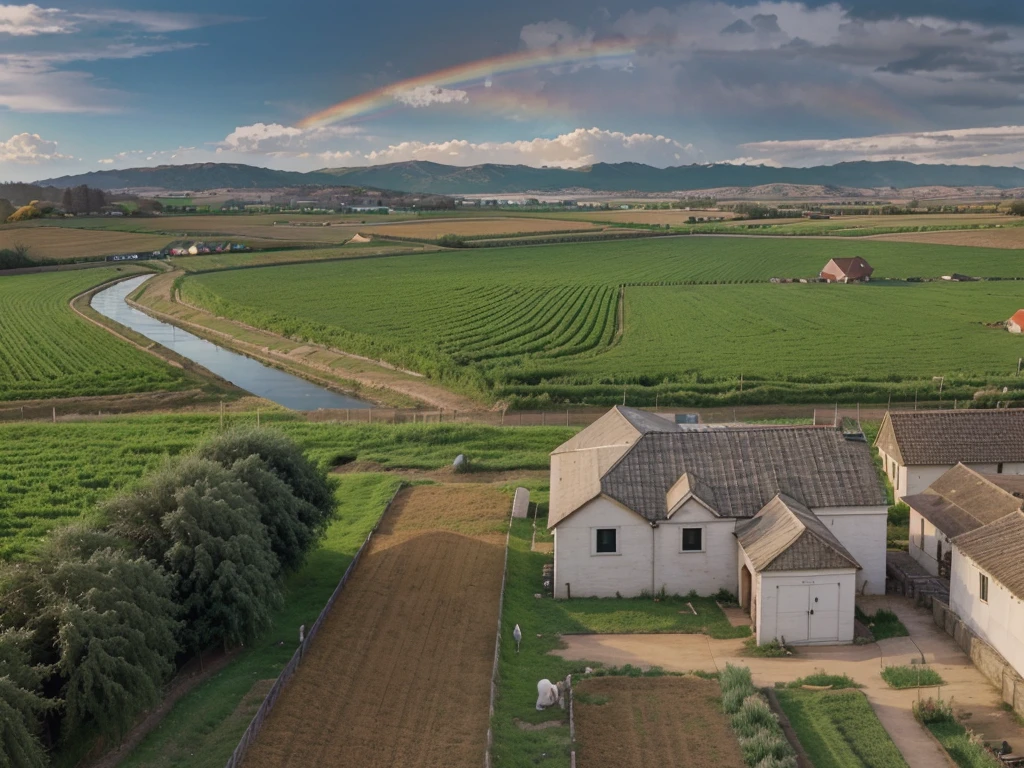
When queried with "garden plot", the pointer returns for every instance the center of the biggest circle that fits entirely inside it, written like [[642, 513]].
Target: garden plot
[[400, 671]]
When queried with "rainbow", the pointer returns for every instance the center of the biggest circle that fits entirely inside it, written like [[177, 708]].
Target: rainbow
[[520, 61]]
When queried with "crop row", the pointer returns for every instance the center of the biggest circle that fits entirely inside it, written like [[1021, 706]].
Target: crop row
[[48, 351]]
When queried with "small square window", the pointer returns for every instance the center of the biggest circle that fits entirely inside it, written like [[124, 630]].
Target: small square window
[[606, 543], [693, 539], [983, 587]]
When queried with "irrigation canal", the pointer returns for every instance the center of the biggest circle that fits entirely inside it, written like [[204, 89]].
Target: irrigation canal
[[255, 377]]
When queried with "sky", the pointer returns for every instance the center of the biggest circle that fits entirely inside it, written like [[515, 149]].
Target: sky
[[93, 84]]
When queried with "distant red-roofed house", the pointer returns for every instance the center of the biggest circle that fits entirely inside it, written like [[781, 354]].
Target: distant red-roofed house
[[847, 270], [1016, 323]]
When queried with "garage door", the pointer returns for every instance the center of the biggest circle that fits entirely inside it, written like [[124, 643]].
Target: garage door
[[791, 617], [824, 613], [808, 613]]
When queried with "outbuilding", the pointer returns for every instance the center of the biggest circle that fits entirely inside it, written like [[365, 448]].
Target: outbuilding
[[1016, 323], [987, 585], [917, 447], [960, 501], [851, 270]]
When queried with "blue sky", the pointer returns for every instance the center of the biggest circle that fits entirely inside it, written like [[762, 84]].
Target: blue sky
[[93, 85]]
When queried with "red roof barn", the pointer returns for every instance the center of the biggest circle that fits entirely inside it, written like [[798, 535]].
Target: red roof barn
[[1016, 323], [846, 270]]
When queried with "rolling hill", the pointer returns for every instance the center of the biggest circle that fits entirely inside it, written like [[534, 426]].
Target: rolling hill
[[435, 178]]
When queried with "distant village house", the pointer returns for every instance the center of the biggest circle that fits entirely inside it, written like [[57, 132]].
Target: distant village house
[[1016, 323]]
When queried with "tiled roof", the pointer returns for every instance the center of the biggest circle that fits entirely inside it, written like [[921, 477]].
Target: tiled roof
[[853, 268], [996, 548], [1018, 317], [620, 426], [786, 536], [948, 437], [746, 467], [963, 500]]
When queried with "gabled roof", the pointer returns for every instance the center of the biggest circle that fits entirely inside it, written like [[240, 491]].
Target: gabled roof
[[1018, 317], [949, 437], [746, 467], [691, 486], [996, 548], [853, 268], [620, 426], [786, 536], [963, 500]]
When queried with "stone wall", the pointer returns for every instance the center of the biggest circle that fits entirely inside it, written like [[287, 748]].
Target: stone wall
[[984, 656]]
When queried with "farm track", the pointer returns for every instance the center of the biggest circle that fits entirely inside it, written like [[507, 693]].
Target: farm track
[[400, 671]]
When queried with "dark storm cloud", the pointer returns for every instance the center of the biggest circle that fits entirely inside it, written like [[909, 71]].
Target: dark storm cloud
[[738, 27], [767, 23]]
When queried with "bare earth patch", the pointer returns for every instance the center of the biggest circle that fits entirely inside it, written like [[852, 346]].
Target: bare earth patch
[[653, 722], [400, 672], [1007, 237], [477, 227]]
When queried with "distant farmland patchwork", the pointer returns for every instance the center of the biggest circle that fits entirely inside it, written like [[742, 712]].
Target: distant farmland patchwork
[[538, 325], [58, 243]]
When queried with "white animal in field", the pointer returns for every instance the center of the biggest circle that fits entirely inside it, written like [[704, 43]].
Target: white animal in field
[[549, 694], [517, 635]]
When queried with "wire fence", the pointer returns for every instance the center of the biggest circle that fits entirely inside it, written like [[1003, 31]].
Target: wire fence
[[497, 652], [256, 724]]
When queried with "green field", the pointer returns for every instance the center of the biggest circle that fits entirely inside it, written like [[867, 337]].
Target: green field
[[47, 351], [54, 473], [538, 325]]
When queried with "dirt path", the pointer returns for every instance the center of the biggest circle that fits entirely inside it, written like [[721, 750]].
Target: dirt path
[[323, 365], [970, 690], [400, 672]]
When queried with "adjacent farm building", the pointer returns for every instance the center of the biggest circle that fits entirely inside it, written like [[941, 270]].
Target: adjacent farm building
[[1016, 323], [847, 271], [917, 447], [790, 519], [960, 501]]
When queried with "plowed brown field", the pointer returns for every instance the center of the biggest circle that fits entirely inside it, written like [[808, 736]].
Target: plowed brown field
[[650, 722], [477, 227], [399, 674]]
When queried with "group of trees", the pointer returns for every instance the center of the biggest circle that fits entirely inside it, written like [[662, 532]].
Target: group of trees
[[192, 558], [83, 199]]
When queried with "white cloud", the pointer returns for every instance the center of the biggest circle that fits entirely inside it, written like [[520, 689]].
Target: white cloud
[[581, 147], [29, 149], [30, 20], [425, 95], [106, 161], [277, 139], [770, 162], [157, 22], [546, 34], [968, 146]]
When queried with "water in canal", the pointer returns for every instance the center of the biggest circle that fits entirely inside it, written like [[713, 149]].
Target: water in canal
[[252, 376]]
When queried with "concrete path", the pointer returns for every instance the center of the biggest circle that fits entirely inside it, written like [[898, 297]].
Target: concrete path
[[970, 691]]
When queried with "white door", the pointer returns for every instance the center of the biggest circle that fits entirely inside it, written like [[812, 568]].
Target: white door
[[791, 617], [824, 613]]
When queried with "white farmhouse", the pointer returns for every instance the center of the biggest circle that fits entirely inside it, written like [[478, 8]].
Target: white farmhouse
[[917, 447], [987, 585], [791, 519], [960, 501]]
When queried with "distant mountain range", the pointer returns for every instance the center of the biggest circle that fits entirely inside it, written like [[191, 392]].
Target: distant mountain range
[[435, 178]]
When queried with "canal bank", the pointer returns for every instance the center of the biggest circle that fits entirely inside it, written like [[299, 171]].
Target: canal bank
[[246, 373]]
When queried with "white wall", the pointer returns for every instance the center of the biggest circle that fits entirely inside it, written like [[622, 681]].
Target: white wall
[[908, 481], [592, 575], [862, 530], [1000, 622], [924, 550], [707, 571], [768, 585]]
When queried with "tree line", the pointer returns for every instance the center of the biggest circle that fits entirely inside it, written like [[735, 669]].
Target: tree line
[[191, 559]]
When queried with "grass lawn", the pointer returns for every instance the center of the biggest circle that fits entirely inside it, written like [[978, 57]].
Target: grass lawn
[[823, 679], [883, 624], [839, 729], [965, 752], [912, 676], [204, 727], [519, 673]]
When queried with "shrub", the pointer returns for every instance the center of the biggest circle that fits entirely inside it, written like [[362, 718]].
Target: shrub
[[753, 715], [823, 679], [770, 650], [911, 676], [765, 743], [934, 711]]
